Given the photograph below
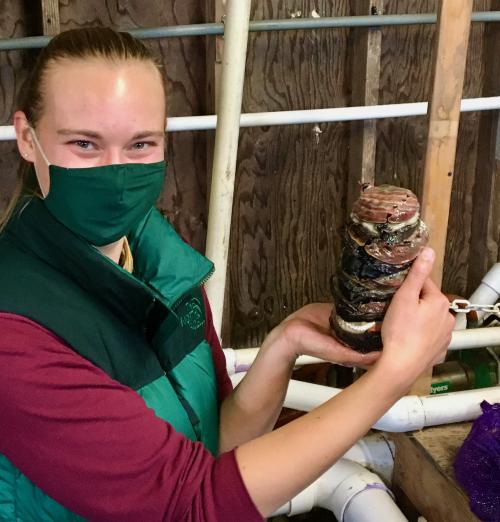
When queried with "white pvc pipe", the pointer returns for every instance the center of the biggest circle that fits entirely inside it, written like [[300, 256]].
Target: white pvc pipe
[[460, 322], [488, 291], [258, 119], [226, 150], [373, 502], [241, 359], [410, 413], [7, 133], [376, 452], [464, 405], [351, 492], [475, 338]]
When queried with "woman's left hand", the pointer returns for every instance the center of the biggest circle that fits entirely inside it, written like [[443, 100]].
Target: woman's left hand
[[307, 332]]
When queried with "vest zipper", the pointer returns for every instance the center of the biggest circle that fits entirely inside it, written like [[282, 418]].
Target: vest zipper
[[199, 283]]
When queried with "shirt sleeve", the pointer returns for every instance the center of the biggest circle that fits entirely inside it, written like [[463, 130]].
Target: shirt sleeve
[[93, 445]]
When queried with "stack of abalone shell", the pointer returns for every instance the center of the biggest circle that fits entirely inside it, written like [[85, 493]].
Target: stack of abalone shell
[[382, 238]]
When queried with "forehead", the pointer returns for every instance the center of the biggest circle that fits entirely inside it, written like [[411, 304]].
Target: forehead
[[98, 93]]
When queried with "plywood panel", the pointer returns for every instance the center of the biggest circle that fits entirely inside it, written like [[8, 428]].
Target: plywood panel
[[290, 186], [364, 48], [485, 218], [406, 76], [13, 23]]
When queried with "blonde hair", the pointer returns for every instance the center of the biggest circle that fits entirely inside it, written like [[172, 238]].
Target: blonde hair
[[89, 42], [126, 259]]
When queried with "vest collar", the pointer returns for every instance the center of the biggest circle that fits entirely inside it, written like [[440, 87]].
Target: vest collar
[[165, 267]]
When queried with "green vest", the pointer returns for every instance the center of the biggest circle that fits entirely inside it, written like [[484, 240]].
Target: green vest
[[146, 330]]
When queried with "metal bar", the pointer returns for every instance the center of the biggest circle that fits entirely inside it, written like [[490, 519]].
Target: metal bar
[[258, 119], [36, 42]]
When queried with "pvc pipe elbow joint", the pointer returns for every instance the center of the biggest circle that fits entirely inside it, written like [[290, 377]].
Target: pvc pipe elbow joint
[[489, 290], [335, 489], [350, 488], [492, 278], [230, 356]]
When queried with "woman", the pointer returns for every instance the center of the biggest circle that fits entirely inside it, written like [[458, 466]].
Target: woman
[[114, 399]]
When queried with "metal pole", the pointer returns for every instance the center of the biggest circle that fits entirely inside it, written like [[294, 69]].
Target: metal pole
[[226, 150], [259, 119], [35, 42]]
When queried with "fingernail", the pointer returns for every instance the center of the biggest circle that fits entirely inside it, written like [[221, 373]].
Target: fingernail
[[427, 254]]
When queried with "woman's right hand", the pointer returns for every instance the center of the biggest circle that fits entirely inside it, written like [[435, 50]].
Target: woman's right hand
[[417, 328]]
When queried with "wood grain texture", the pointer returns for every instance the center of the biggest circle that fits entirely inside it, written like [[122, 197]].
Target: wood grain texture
[[444, 114], [406, 76], [50, 17], [459, 253], [364, 49], [453, 27], [424, 471], [483, 240], [14, 22], [288, 202]]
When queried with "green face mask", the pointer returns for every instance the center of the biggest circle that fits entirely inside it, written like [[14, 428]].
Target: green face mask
[[103, 204]]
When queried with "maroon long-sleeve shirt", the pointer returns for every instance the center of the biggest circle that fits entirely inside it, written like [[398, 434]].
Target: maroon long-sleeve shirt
[[94, 446]]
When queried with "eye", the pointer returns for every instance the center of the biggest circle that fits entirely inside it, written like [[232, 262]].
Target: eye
[[83, 144], [142, 145]]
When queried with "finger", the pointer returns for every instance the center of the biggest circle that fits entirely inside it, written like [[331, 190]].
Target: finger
[[336, 352], [370, 359], [429, 288], [419, 272], [316, 313]]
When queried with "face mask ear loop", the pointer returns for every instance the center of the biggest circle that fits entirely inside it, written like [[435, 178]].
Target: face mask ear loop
[[37, 143]]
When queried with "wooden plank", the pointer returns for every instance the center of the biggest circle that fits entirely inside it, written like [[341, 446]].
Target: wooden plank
[[444, 113], [50, 17], [365, 46], [424, 472], [483, 241]]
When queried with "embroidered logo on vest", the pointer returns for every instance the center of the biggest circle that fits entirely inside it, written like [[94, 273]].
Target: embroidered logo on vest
[[192, 314]]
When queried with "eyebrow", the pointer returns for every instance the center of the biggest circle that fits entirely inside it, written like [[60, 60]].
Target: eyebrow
[[96, 135]]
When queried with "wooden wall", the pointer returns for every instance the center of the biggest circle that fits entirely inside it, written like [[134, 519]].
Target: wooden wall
[[290, 193]]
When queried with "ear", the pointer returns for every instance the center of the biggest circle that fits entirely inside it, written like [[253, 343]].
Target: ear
[[24, 140]]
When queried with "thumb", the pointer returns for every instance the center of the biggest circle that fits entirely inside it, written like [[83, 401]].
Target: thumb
[[419, 272]]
